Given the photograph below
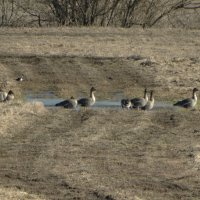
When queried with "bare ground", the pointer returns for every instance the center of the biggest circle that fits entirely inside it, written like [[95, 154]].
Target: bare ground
[[102, 154]]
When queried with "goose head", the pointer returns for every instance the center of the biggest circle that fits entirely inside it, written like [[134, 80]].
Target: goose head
[[11, 92], [194, 95], [195, 90], [93, 89]]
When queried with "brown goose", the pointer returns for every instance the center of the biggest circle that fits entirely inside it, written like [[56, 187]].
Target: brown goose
[[86, 102], [3, 95], [150, 103], [189, 102], [10, 96], [138, 103], [68, 103]]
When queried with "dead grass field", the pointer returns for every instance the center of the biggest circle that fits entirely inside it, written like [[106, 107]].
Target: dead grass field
[[102, 154], [98, 42]]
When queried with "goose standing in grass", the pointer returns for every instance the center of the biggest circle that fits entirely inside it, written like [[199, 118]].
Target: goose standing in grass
[[10, 96], [20, 78], [86, 102], [68, 103], [138, 103], [190, 102], [126, 103], [3, 95], [150, 103]]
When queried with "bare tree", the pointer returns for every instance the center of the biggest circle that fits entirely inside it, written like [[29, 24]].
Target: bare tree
[[6, 12], [124, 13], [36, 11], [128, 13], [158, 9]]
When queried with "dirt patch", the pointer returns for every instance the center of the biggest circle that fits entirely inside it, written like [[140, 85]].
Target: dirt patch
[[99, 154], [103, 154]]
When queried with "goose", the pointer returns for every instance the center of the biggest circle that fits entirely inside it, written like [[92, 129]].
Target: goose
[[3, 95], [68, 103], [10, 96], [71, 104], [20, 79], [126, 103], [150, 103], [86, 102], [189, 102], [140, 102]]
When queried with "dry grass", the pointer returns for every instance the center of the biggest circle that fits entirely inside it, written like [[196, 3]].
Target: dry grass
[[12, 115], [101, 154], [14, 193], [68, 61], [104, 154], [101, 42]]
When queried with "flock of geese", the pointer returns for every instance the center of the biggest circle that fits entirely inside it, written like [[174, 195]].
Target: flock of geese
[[139, 103]]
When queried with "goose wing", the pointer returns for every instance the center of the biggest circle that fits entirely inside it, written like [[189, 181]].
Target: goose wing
[[184, 103], [138, 102], [3, 96], [63, 103], [69, 104], [84, 102]]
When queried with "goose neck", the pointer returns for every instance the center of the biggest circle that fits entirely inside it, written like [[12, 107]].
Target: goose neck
[[194, 96], [75, 101], [152, 100], [92, 95], [145, 96], [151, 97]]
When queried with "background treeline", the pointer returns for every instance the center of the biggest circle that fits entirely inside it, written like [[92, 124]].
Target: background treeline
[[121, 13]]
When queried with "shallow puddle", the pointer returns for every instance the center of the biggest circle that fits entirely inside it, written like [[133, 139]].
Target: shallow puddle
[[50, 102], [99, 104], [49, 99]]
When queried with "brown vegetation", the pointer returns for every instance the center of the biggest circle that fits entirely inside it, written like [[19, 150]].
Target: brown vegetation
[[102, 154], [69, 61]]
